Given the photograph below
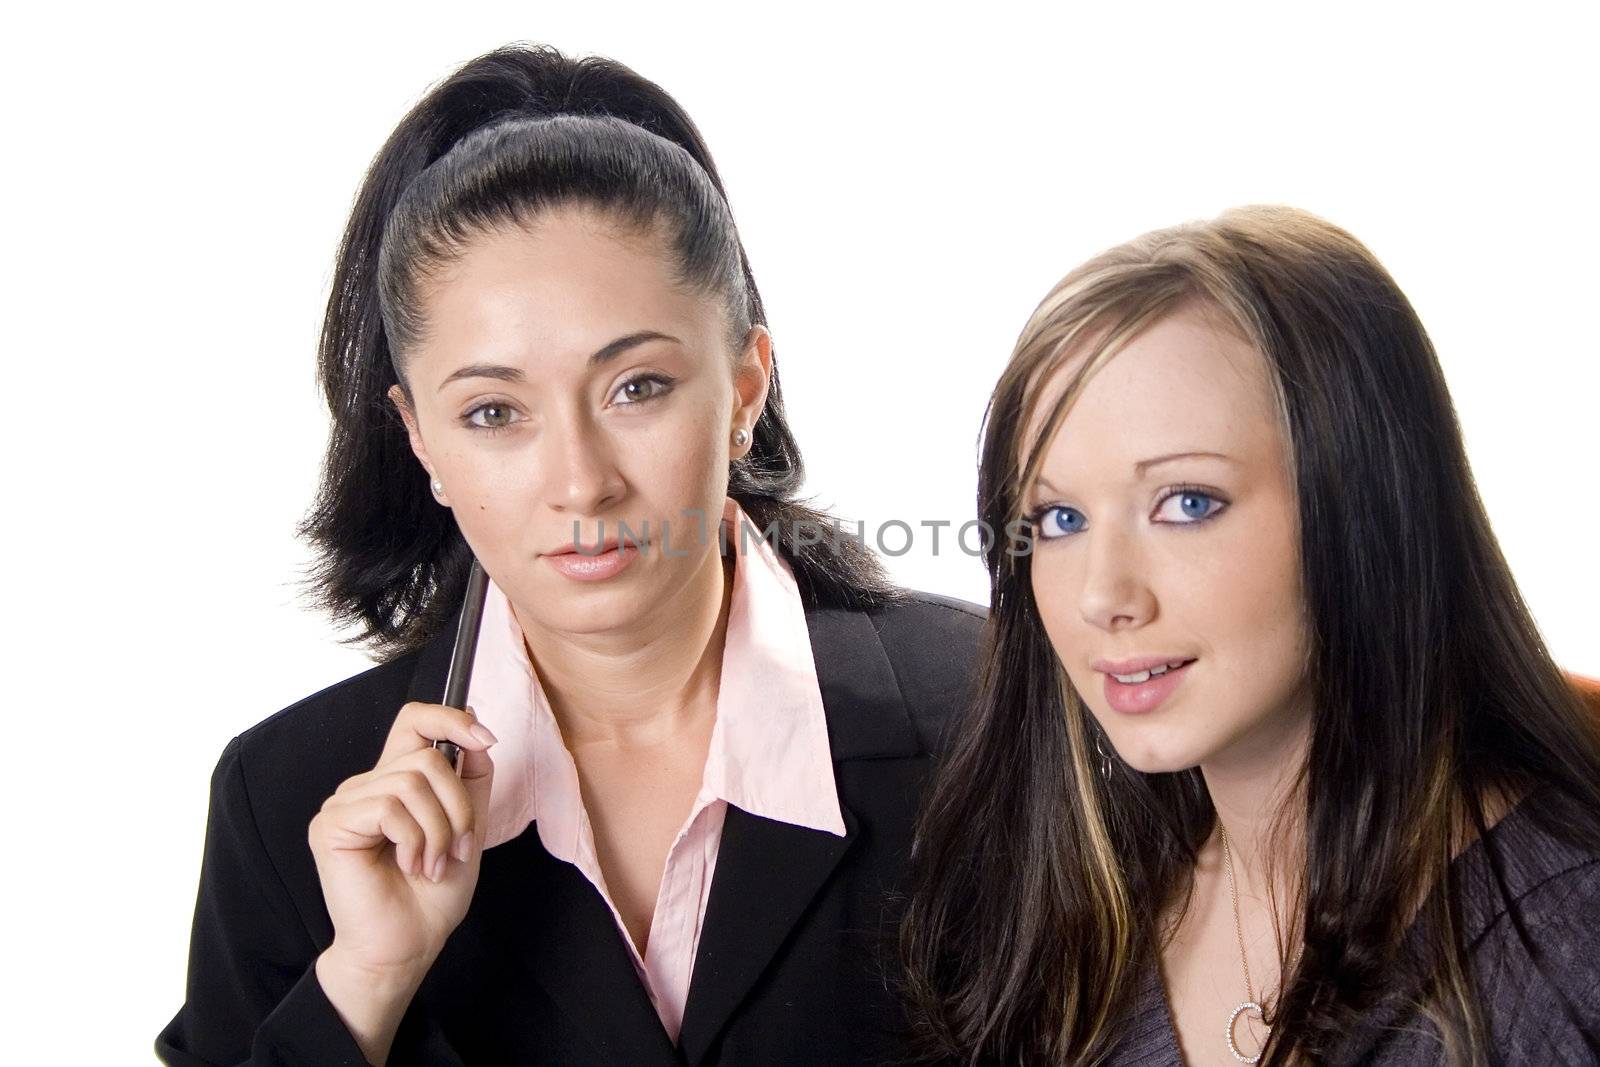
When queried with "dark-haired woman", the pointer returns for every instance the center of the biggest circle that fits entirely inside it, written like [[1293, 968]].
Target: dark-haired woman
[[1269, 763], [699, 715]]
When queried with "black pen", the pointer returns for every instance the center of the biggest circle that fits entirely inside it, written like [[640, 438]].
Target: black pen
[[455, 683]]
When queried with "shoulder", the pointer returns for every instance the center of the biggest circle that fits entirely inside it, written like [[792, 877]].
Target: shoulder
[[1524, 894], [291, 761], [270, 781], [335, 720], [1528, 870], [1551, 884], [1536, 954], [932, 643], [929, 629]]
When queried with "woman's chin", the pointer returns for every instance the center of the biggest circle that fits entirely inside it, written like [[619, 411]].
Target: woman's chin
[[592, 611], [1161, 755], [1162, 766]]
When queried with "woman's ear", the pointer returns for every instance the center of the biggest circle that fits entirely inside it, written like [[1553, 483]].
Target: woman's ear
[[397, 396], [752, 377]]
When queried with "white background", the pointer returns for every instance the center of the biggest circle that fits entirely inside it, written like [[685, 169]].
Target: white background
[[908, 186]]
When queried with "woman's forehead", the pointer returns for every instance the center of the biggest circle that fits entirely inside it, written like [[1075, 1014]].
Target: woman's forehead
[[555, 295], [1180, 385]]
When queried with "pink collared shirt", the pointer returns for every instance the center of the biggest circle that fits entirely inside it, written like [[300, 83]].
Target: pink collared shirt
[[768, 755]]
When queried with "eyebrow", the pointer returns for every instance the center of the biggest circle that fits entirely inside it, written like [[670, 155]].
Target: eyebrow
[[1154, 461], [606, 353]]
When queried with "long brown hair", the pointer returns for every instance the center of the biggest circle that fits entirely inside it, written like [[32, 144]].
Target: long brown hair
[[1039, 885]]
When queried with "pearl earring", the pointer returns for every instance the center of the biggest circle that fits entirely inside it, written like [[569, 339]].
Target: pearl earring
[[438, 487], [741, 436]]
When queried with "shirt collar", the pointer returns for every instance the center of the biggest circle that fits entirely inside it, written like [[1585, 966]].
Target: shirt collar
[[769, 753]]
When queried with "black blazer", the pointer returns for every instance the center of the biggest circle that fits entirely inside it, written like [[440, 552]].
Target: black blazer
[[796, 959]]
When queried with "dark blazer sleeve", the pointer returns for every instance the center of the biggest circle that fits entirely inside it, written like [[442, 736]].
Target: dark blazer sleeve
[[252, 994]]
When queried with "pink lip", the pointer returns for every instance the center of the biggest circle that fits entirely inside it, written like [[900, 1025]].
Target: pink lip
[[581, 549], [587, 567], [1132, 666], [1148, 695]]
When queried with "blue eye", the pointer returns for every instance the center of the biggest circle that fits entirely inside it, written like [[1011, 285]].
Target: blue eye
[[1193, 506], [1057, 521]]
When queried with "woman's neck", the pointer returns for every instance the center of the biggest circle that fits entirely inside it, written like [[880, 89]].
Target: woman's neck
[[1252, 786], [643, 686]]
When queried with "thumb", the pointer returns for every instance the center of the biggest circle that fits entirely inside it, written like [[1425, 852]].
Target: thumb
[[477, 774]]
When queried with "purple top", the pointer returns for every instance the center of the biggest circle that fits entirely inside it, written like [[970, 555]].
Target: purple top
[[1546, 1014]]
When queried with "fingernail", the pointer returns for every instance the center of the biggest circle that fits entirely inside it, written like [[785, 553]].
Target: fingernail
[[438, 868], [481, 732], [463, 843]]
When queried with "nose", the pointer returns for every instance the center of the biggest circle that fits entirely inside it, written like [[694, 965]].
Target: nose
[[580, 472], [1116, 593]]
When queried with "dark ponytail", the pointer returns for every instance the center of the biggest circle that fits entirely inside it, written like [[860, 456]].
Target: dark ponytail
[[509, 135]]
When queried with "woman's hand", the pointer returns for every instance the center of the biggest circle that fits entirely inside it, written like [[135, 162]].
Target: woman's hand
[[397, 850]]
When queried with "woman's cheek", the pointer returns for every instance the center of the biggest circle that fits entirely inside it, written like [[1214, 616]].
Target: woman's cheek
[[1063, 627], [1259, 619]]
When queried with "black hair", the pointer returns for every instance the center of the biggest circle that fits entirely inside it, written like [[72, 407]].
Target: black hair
[[507, 136]]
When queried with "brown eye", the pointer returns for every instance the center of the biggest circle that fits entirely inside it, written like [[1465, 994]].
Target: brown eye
[[643, 388], [496, 416]]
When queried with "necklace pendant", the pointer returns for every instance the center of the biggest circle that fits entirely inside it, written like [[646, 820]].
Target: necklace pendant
[[1247, 1006]]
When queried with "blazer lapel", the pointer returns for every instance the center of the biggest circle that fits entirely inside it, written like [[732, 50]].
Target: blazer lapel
[[768, 872], [543, 913], [533, 912]]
